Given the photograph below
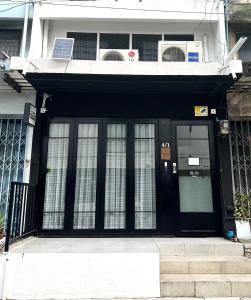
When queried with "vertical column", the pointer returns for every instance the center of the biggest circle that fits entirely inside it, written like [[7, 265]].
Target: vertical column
[[221, 38], [36, 34]]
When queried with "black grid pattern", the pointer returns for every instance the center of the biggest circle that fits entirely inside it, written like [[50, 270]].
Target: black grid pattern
[[10, 41], [115, 177], [85, 45], [241, 156], [147, 45], [145, 181], [12, 156], [57, 159], [86, 177], [114, 41]]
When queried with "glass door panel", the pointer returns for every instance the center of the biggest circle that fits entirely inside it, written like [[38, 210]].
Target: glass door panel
[[55, 185], [86, 177], [194, 171], [145, 185], [115, 177]]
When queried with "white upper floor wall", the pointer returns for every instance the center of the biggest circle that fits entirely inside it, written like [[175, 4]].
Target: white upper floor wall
[[202, 19], [54, 18]]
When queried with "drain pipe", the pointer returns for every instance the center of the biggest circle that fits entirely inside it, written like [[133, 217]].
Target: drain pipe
[[26, 17], [205, 47]]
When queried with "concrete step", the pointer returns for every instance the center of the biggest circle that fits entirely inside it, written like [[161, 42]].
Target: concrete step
[[195, 247], [205, 285], [205, 265]]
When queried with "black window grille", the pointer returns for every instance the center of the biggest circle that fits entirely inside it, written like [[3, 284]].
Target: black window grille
[[114, 41], [85, 45], [241, 156], [147, 45], [179, 37], [10, 41]]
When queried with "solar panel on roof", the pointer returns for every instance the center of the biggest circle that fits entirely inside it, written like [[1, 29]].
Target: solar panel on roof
[[63, 48]]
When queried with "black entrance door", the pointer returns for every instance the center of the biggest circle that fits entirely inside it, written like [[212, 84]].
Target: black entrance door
[[194, 174], [102, 176], [129, 176]]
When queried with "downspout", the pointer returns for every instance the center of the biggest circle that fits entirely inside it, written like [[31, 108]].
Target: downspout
[[26, 17], [226, 5], [205, 47]]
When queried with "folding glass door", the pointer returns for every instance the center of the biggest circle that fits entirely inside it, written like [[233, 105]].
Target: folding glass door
[[101, 176]]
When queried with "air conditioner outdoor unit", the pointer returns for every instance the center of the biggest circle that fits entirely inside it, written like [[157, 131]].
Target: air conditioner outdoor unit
[[180, 51], [118, 55]]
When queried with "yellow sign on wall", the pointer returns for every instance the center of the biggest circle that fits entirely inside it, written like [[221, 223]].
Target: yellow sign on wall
[[201, 111]]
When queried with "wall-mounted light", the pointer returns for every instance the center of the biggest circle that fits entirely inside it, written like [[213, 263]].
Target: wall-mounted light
[[224, 127]]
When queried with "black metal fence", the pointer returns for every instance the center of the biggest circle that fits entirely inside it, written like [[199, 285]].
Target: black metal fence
[[21, 218]]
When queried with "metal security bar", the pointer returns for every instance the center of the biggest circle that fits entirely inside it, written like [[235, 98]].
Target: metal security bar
[[21, 220], [10, 41], [241, 156], [12, 153]]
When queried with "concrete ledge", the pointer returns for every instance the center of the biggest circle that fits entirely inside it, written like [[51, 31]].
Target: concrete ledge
[[204, 285], [82, 275], [205, 265]]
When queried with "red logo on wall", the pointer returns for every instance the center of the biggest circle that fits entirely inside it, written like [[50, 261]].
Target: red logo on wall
[[131, 54]]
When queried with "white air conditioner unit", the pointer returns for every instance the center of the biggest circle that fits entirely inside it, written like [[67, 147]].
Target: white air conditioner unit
[[118, 55], [180, 51]]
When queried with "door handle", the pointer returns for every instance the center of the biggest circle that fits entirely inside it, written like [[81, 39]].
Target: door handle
[[174, 168]]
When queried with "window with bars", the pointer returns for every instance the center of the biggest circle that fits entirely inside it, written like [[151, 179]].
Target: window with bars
[[147, 45], [114, 41], [10, 41], [115, 177], [85, 45], [145, 182], [12, 154], [241, 156], [55, 186], [179, 37]]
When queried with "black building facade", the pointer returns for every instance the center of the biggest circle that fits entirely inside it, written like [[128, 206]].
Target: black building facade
[[132, 155]]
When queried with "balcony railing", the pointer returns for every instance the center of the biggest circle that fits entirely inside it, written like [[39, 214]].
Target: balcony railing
[[21, 219]]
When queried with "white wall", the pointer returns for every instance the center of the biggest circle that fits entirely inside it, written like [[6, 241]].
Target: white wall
[[59, 28], [12, 102], [128, 9], [148, 16]]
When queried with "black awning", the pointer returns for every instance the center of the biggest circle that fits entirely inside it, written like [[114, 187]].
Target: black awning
[[180, 84]]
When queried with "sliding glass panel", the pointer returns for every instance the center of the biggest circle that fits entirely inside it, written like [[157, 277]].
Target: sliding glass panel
[[86, 177], [194, 169], [145, 185], [54, 202], [115, 177]]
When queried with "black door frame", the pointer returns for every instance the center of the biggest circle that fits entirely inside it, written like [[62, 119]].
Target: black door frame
[[167, 199], [100, 188], [213, 173]]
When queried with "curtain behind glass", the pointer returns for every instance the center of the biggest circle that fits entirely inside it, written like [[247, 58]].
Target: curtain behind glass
[[115, 178], [86, 177], [54, 202], [145, 185]]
